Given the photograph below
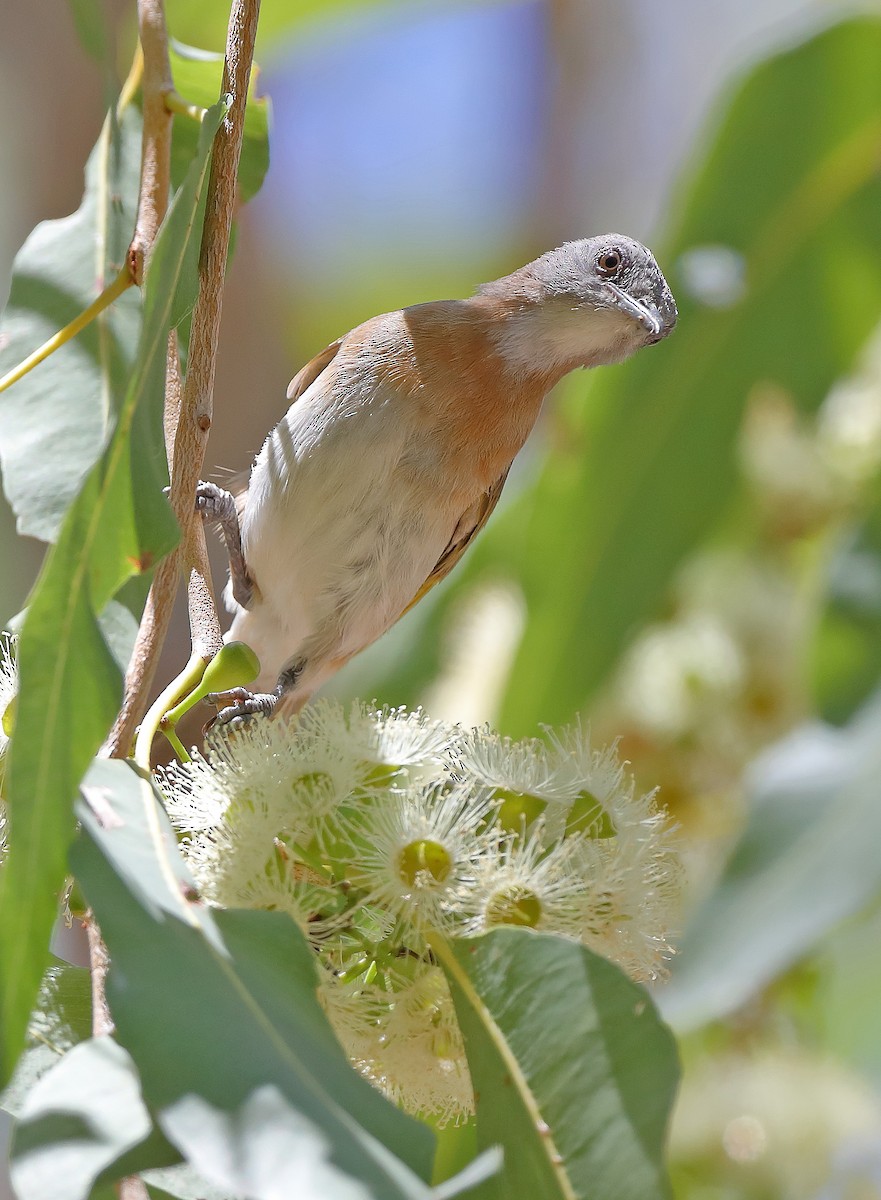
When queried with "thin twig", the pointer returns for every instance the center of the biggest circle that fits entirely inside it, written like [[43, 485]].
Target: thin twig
[[198, 396], [156, 142], [188, 416]]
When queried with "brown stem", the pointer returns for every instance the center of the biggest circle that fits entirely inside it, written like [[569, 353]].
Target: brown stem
[[156, 142], [188, 420], [188, 411], [198, 394]]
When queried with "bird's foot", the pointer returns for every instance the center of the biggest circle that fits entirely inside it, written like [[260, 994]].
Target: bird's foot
[[217, 504], [240, 706]]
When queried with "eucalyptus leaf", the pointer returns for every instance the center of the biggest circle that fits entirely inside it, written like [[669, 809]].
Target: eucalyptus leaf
[[69, 683], [262, 1029], [807, 859], [78, 1119], [61, 1019], [574, 1074], [638, 477], [846, 652], [198, 75], [55, 421], [205, 21]]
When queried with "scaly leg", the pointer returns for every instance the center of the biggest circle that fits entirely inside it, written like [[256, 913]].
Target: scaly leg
[[215, 504], [242, 704]]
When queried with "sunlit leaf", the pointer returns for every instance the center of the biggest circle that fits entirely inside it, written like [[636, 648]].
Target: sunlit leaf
[[197, 77], [573, 1073], [62, 1017], [55, 422], [79, 1119], [263, 1028], [70, 685]]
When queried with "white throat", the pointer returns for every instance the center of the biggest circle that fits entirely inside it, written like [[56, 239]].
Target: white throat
[[557, 336]]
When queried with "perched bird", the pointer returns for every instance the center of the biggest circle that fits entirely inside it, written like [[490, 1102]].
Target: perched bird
[[395, 450]]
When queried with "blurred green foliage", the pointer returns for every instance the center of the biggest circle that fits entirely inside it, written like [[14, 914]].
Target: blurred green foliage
[[699, 552]]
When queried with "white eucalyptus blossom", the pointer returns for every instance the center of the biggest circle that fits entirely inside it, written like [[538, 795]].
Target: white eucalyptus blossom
[[563, 780], [402, 1034], [412, 849], [382, 740], [377, 830]]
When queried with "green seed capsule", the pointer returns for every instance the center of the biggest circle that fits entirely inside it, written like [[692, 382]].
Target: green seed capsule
[[516, 906], [424, 857], [234, 665]]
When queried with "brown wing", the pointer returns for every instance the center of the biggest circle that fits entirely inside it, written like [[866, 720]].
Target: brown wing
[[470, 524], [308, 374]]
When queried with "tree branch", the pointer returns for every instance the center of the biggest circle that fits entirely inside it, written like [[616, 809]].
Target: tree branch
[[198, 395], [156, 141], [189, 415]]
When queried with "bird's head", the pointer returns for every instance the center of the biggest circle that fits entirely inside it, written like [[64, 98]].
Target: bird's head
[[587, 303]]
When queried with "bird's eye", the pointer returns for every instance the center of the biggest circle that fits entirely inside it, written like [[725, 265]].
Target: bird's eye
[[609, 262]]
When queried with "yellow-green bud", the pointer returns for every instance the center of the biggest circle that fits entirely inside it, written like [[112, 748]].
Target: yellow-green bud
[[234, 665], [424, 856], [8, 718], [588, 816], [516, 906], [518, 809]]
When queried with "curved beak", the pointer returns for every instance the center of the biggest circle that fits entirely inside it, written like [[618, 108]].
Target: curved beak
[[648, 318], [656, 321]]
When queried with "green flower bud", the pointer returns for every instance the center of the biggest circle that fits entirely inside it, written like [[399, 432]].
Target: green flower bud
[[588, 816], [515, 906], [234, 665], [518, 809], [8, 719], [424, 856]]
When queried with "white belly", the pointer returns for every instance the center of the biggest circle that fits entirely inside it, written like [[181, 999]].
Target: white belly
[[344, 522]]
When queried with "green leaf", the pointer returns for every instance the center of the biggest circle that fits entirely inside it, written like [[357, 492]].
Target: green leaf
[[55, 422], [70, 685], [90, 24], [79, 1118], [61, 1018], [263, 1028], [204, 22], [573, 1072], [637, 481], [846, 652], [197, 76], [807, 859]]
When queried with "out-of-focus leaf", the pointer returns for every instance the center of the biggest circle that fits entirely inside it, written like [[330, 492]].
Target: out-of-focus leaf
[[120, 629], [70, 685], [766, 297], [90, 23], [197, 76], [61, 1018], [573, 1072], [81, 1116], [204, 22], [846, 654], [807, 858], [263, 1027], [55, 422]]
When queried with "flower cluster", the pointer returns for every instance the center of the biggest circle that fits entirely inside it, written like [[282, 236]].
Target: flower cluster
[[377, 829]]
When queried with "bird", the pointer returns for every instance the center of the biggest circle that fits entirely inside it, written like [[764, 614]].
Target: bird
[[394, 452]]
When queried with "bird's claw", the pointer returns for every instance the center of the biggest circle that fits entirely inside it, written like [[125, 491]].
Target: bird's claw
[[213, 502], [240, 706]]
